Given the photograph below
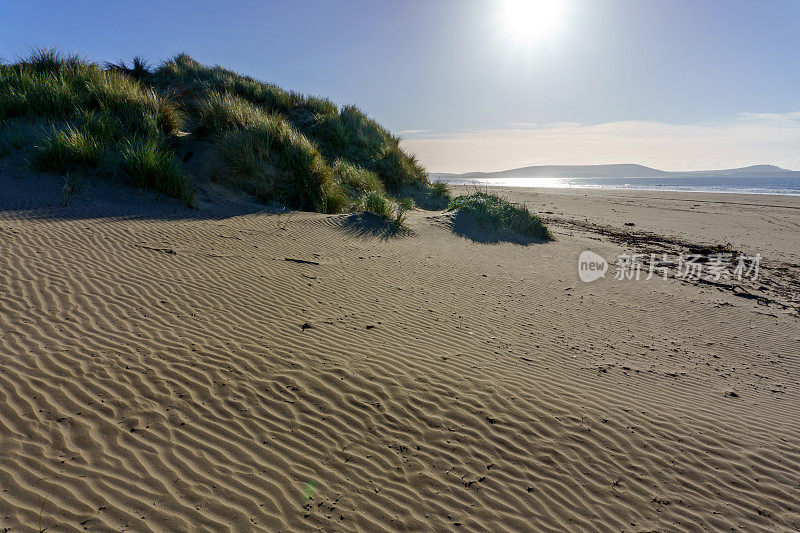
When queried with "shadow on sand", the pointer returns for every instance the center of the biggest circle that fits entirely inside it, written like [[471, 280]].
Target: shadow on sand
[[26, 195], [370, 225]]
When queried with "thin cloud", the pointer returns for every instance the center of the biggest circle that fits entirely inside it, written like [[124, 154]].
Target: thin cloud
[[413, 132], [747, 139]]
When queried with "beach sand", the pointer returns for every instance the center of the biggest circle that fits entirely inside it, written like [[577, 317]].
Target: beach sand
[[167, 369]]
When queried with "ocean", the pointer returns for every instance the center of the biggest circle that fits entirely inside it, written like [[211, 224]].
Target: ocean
[[721, 184]]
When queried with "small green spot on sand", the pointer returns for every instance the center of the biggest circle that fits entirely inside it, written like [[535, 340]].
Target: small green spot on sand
[[308, 489]]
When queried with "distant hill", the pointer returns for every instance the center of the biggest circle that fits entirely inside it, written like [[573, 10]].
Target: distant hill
[[621, 171]]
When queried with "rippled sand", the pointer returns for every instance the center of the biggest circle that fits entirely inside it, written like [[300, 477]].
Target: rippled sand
[[169, 370]]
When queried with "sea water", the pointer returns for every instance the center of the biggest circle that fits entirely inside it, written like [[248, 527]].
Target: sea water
[[719, 184]]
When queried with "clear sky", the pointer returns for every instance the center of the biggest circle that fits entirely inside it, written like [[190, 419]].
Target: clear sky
[[488, 85]]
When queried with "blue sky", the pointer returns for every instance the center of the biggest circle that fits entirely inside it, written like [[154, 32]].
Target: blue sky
[[672, 83]]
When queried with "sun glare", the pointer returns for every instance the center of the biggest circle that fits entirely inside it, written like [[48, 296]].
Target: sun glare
[[528, 21]]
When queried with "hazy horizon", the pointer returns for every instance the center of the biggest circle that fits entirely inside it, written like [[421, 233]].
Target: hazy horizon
[[500, 170], [749, 139], [475, 85]]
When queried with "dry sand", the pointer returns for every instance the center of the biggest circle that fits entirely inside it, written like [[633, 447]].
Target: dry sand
[[156, 374]]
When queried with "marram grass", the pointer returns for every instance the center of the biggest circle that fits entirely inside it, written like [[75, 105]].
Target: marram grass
[[67, 149], [501, 217], [130, 120], [147, 164]]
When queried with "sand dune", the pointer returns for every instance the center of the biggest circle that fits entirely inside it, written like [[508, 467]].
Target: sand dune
[[163, 369]]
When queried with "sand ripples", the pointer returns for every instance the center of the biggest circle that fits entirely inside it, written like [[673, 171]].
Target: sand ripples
[[154, 375]]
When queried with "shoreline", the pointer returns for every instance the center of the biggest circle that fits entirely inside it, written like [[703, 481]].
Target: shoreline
[[623, 189]]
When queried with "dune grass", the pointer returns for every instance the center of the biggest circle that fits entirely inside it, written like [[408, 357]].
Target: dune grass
[[128, 120], [347, 133], [499, 216], [276, 163], [63, 150], [14, 138], [356, 179], [90, 117], [50, 85], [220, 112], [391, 211], [73, 187], [148, 165], [440, 189]]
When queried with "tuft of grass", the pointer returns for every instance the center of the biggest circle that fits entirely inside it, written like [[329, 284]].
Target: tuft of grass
[[276, 163], [168, 112], [439, 189], [73, 186], [147, 164], [404, 205], [355, 178], [501, 217], [140, 68], [67, 149], [219, 112], [51, 59], [377, 204], [391, 211]]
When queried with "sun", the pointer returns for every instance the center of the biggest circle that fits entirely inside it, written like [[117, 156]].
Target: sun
[[529, 21]]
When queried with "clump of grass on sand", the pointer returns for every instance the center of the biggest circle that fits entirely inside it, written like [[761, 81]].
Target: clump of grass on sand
[[73, 186], [68, 148], [147, 164], [498, 216], [392, 211], [440, 189]]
